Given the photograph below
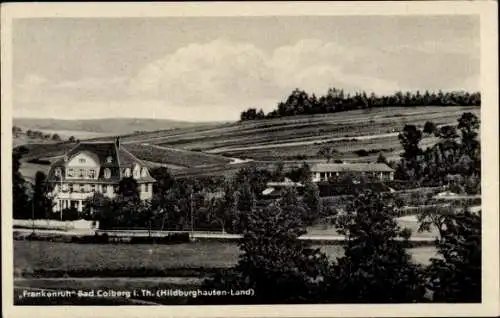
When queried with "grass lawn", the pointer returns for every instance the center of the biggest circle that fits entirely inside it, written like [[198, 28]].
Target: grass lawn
[[33, 255], [30, 256]]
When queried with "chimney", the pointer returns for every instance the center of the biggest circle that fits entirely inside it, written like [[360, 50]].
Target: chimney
[[117, 142]]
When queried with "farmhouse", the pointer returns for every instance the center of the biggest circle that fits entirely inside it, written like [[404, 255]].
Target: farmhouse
[[325, 171], [92, 167]]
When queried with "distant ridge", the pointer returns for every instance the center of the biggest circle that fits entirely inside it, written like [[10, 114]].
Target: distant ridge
[[104, 125]]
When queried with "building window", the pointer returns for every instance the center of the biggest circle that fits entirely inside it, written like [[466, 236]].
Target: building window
[[107, 173], [70, 188], [127, 172], [82, 160], [144, 173], [109, 159], [92, 173], [110, 189], [136, 172], [81, 173], [83, 188], [65, 187], [76, 188], [57, 172], [71, 172], [92, 188]]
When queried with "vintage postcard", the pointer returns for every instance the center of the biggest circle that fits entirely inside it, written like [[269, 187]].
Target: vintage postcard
[[250, 159]]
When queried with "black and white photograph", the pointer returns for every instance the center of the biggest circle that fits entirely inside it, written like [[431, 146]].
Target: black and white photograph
[[197, 158]]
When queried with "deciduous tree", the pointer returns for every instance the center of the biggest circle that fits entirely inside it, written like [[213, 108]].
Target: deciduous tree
[[20, 200], [376, 268], [455, 276], [275, 264]]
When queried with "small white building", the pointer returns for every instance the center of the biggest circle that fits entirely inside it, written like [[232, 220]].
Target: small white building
[[326, 171], [92, 167]]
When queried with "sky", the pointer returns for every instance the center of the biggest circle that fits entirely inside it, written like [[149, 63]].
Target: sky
[[212, 68]]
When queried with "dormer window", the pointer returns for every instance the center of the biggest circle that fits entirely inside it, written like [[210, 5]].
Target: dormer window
[[107, 173], [81, 160], [109, 159], [127, 172], [136, 172]]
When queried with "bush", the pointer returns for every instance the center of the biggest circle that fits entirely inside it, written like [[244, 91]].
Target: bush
[[361, 153]]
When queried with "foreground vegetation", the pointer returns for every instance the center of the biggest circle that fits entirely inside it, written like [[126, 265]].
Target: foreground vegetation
[[280, 268]]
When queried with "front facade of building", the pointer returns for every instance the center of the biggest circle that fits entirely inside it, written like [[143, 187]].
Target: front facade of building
[[96, 167], [327, 171]]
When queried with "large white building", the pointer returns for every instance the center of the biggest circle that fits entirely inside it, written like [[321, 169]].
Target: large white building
[[326, 171], [92, 167]]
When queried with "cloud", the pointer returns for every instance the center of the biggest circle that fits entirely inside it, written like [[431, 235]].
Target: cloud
[[229, 73], [212, 73], [221, 77]]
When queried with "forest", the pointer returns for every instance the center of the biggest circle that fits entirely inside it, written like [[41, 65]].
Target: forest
[[335, 100]]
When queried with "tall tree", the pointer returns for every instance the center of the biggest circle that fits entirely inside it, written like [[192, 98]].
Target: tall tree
[[274, 263], [311, 200], [20, 200], [42, 200], [410, 139], [128, 188], [328, 152], [456, 275], [301, 174], [469, 125], [430, 128], [382, 159], [164, 180], [245, 203], [376, 268]]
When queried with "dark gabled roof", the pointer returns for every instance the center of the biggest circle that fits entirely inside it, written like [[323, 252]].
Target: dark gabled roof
[[120, 158], [351, 167], [126, 159], [103, 150]]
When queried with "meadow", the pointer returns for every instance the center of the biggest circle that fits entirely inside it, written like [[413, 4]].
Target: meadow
[[38, 258], [209, 148]]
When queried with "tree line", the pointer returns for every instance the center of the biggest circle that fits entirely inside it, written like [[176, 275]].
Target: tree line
[[36, 134], [335, 100]]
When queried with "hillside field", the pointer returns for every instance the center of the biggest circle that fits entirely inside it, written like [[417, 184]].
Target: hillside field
[[211, 148]]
